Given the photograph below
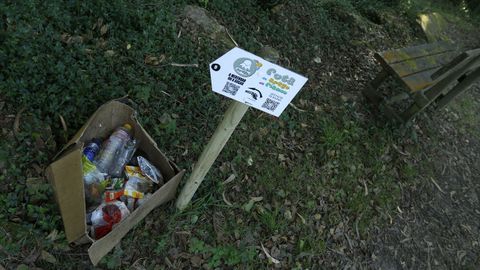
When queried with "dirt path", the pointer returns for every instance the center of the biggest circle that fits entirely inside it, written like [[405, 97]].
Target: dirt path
[[437, 222]]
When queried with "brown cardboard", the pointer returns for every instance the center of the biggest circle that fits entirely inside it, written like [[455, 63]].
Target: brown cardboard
[[65, 174]]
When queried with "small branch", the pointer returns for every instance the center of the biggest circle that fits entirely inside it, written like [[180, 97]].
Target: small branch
[[399, 151], [225, 200], [64, 124], [183, 65], [230, 36], [16, 123], [365, 186], [435, 183], [296, 108]]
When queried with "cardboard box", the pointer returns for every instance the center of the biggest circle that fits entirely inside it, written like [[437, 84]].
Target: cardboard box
[[65, 174]]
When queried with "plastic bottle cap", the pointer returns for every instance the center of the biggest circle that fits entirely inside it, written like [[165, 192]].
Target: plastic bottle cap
[[127, 126]]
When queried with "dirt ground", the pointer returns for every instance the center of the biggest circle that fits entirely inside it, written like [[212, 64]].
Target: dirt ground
[[437, 222]]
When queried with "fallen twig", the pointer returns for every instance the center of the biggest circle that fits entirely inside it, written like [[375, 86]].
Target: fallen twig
[[435, 183], [166, 93], [365, 186], [301, 218], [64, 124], [183, 65], [399, 151], [16, 123], [225, 200], [296, 108], [230, 36]]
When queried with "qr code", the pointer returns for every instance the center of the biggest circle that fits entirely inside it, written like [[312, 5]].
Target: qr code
[[270, 105], [231, 88]]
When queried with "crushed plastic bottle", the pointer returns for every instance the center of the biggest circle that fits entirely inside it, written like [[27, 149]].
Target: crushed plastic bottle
[[105, 161], [123, 157]]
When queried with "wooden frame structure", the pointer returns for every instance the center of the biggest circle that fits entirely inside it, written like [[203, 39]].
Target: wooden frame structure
[[431, 73]]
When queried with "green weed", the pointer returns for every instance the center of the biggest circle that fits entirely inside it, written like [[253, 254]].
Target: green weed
[[227, 255]]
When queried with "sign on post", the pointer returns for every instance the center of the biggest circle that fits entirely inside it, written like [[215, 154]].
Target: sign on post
[[253, 81], [250, 81]]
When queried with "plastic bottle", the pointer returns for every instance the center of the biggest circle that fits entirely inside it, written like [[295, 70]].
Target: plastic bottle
[[123, 156], [92, 149], [116, 142]]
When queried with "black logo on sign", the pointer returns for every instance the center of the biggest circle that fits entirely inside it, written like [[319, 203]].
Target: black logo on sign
[[216, 67], [254, 92]]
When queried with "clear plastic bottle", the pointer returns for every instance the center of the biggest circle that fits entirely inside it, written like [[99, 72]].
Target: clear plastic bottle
[[124, 156], [115, 143]]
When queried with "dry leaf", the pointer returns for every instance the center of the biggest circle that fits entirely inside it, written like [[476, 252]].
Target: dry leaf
[[64, 124], [32, 257], [52, 236], [109, 53], [196, 261], [68, 39], [225, 200], [98, 24], [270, 258], [248, 206], [48, 257], [229, 179], [154, 60], [256, 199], [103, 30], [16, 123], [302, 218]]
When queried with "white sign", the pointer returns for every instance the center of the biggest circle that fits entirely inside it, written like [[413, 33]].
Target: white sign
[[251, 80]]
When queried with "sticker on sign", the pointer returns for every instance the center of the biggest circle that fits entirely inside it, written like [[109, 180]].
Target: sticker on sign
[[252, 80]]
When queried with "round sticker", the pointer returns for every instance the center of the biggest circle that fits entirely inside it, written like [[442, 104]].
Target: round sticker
[[245, 67]]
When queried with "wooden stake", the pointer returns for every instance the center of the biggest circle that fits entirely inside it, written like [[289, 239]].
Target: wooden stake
[[230, 120]]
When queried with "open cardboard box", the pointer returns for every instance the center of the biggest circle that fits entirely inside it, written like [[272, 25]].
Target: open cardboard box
[[66, 176]]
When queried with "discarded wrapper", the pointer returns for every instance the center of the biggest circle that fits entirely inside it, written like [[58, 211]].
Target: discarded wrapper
[[149, 170]]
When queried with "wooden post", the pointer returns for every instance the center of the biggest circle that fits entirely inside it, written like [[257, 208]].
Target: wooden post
[[230, 120]]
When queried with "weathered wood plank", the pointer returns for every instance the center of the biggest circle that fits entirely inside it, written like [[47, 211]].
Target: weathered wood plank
[[463, 57], [417, 65], [419, 81], [460, 88], [399, 55]]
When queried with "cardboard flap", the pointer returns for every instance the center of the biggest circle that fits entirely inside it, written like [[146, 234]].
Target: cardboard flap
[[112, 115], [113, 106], [102, 246], [64, 175]]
